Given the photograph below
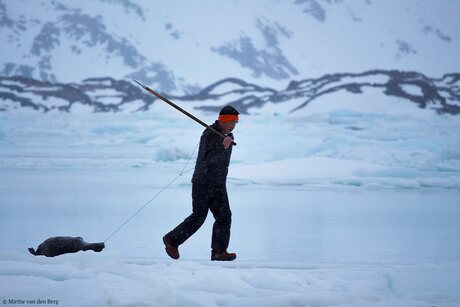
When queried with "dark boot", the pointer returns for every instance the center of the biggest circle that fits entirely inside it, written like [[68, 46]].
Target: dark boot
[[171, 249], [223, 256]]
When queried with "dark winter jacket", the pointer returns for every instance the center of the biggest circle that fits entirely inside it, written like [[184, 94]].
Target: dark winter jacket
[[213, 159]]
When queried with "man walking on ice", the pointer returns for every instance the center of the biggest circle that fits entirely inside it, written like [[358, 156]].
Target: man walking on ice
[[209, 191]]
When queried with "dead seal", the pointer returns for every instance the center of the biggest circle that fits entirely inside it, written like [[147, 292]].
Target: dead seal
[[56, 246]]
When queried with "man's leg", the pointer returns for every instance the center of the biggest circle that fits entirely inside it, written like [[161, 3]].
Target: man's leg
[[200, 204], [220, 208]]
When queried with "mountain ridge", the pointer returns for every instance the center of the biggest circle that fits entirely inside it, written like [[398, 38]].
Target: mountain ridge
[[110, 95], [180, 47]]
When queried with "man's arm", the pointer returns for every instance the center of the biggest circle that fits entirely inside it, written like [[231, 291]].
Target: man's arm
[[213, 150]]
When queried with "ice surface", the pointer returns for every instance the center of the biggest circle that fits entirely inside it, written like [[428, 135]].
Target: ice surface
[[330, 206]]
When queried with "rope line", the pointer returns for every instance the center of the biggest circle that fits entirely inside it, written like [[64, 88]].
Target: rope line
[[146, 204]]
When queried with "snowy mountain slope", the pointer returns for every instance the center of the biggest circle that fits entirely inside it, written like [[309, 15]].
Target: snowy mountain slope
[[181, 46], [109, 95]]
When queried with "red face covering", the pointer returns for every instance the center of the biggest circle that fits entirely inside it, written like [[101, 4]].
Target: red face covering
[[228, 118]]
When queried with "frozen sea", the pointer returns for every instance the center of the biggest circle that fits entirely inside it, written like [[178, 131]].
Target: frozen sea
[[331, 207]]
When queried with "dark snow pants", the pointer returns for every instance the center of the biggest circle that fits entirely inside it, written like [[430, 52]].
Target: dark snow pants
[[206, 197]]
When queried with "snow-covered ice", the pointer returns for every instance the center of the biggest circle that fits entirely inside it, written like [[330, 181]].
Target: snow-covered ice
[[331, 207]]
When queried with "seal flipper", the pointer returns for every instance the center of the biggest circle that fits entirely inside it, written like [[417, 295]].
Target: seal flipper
[[97, 247], [32, 251]]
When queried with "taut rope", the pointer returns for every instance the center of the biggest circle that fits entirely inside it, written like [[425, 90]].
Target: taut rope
[[146, 204]]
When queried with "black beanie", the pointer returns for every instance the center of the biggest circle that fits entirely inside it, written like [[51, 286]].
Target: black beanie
[[228, 110]]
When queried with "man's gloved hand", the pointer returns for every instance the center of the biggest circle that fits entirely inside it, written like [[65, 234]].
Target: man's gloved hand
[[227, 142]]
